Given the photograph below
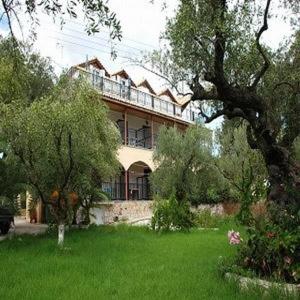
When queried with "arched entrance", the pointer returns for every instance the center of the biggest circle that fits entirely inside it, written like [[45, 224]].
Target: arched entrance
[[130, 184], [138, 181]]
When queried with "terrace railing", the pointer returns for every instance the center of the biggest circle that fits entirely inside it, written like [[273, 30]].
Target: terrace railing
[[137, 97], [136, 191]]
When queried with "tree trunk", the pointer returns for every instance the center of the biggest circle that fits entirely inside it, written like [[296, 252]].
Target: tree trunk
[[284, 175], [61, 234]]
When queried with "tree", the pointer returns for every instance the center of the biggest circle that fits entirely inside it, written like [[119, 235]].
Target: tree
[[96, 13], [60, 140], [12, 181], [186, 166], [243, 167], [25, 76], [216, 48]]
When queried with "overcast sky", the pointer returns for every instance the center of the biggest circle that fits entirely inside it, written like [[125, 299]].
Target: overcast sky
[[142, 24]]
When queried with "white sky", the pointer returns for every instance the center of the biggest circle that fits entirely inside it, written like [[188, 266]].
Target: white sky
[[142, 24]]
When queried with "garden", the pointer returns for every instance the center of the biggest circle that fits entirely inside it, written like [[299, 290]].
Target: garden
[[120, 262], [58, 144]]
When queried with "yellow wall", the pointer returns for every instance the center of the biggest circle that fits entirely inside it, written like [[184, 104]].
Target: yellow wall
[[129, 155]]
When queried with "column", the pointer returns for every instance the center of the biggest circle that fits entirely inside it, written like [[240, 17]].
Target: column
[[152, 133], [125, 127], [126, 185]]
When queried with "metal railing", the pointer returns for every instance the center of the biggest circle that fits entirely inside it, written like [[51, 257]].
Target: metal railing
[[138, 97], [139, 138], [136, 191]]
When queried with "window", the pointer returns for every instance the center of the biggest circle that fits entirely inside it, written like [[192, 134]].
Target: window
[[164, 106], [157, 104], [148, 100]]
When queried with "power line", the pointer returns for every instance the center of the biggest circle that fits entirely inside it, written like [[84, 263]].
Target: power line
[[95, 37], [83, 46], [92, 42], [125, 38]]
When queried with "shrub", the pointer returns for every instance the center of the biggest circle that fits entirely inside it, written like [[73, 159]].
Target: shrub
[[172, 214], [272, 252], [206, 219]]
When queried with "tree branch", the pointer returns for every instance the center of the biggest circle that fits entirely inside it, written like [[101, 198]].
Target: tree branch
[[172, 84], [199, 93], [71, 162], [6, 7], [220, 42], [266, 65]]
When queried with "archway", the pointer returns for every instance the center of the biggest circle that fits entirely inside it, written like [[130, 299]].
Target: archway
[[138, 184]]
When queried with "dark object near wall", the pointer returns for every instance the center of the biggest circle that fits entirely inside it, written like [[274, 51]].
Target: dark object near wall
[[6, 219]]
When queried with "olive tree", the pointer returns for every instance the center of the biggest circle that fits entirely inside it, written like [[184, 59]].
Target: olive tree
[[243, 168], [185, 164], [60, 140], [215, 47]]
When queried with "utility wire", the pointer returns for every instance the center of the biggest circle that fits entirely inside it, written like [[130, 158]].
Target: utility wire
[[97, 37], [125, 38], [84, 46], [92, 42]]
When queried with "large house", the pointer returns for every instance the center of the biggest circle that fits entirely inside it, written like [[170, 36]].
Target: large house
[[138, 112]]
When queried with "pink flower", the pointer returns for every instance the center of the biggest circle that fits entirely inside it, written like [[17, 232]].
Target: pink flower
[[234, 237]]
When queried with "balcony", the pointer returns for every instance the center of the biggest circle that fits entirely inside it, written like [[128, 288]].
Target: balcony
[[126, 94]]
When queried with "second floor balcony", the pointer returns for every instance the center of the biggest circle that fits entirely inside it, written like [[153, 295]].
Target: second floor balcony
[[129, 94]]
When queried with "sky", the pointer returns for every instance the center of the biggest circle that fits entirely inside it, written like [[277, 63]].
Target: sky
[[142, 23]]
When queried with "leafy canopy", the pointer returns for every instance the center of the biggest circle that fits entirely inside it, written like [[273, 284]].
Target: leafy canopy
[[63, 139], [186, 166]]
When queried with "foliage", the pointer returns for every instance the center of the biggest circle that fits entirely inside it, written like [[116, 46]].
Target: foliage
[[217, 46], [243, 168], [171, 214], [25, 76], [61, 140], [96, 13], [11, 185], [206, 219], [297, 149], [272, 252], [193, 176]]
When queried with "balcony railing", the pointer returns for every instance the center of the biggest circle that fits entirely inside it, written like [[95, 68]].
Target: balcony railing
[[137, 97], [136, 191]]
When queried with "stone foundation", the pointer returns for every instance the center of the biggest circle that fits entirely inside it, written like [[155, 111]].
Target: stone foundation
[[215, 209], [126, 211], [130, 211]]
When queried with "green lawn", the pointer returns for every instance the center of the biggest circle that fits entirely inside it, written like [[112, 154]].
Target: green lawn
[[117, 263]]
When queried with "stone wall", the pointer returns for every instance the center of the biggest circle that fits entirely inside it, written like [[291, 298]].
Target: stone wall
[[215, 209], [130, 211], [109, 212]]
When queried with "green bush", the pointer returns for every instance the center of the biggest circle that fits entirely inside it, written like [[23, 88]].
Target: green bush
[[272, 252], [206, 219], [172, 214]]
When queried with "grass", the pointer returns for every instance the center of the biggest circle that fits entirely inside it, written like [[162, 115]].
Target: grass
[[118, 263]]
